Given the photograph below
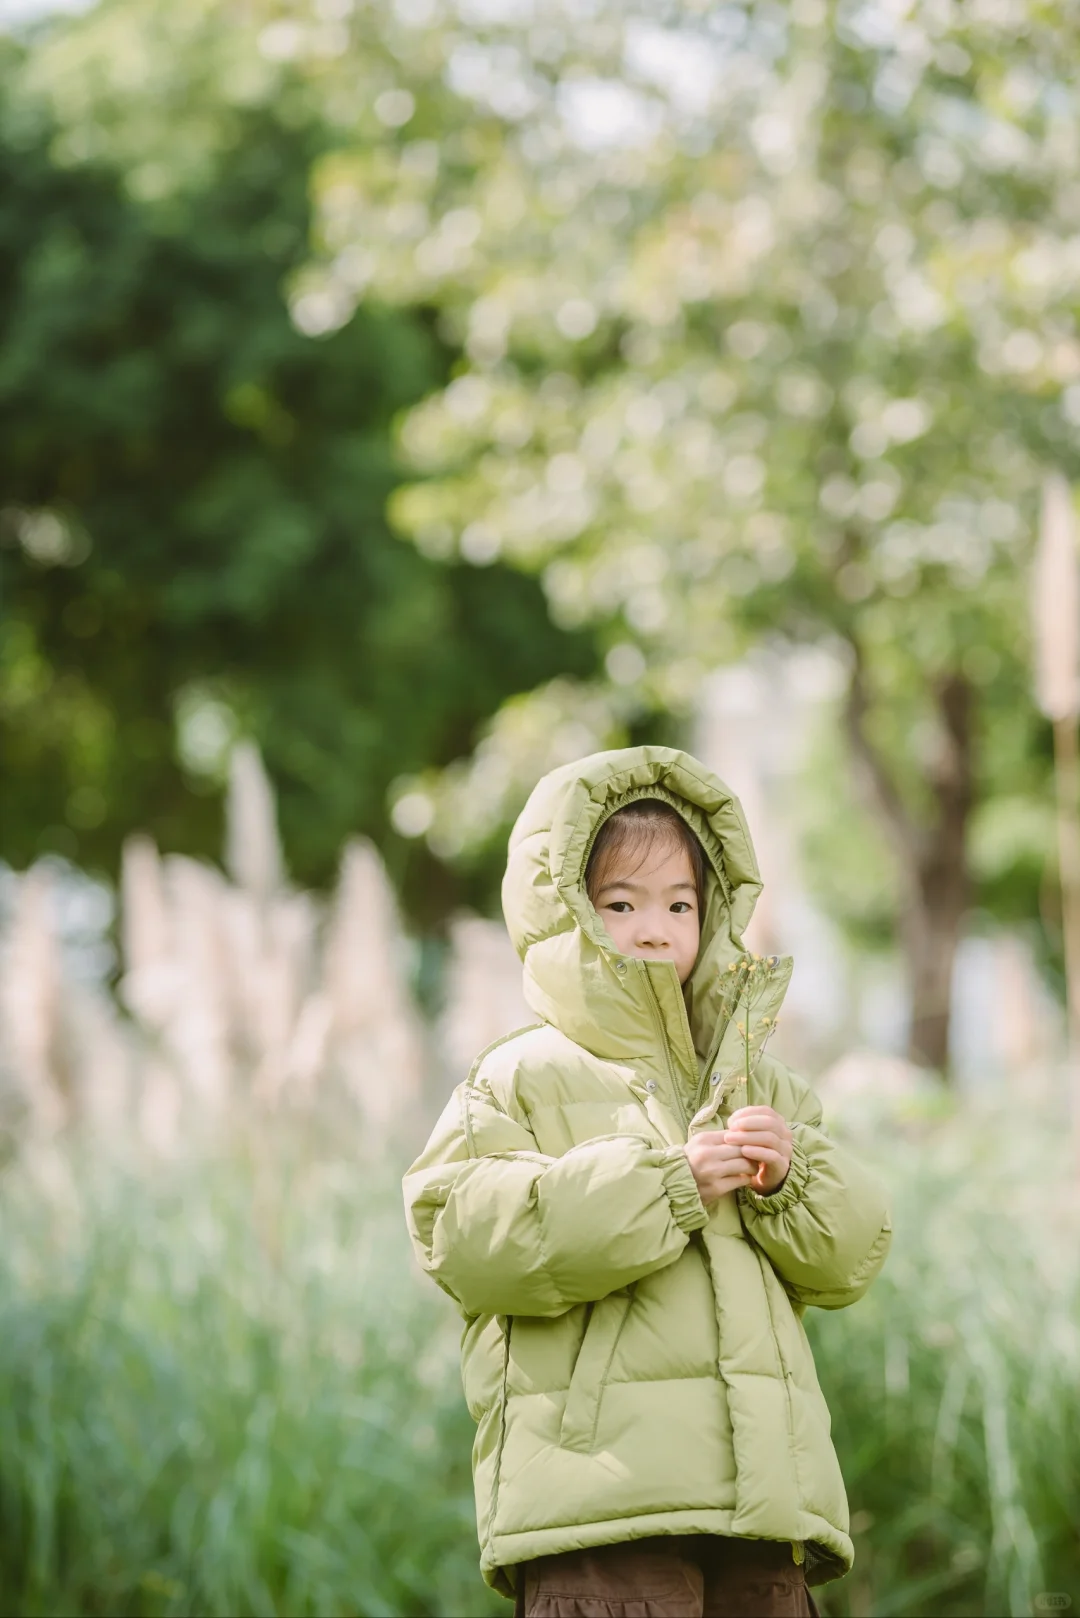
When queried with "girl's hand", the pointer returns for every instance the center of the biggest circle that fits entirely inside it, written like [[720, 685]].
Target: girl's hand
[[761, 1135], [718, 1168]]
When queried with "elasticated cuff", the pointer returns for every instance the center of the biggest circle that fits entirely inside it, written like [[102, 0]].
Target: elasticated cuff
[[687, 1208], [788, 1194]]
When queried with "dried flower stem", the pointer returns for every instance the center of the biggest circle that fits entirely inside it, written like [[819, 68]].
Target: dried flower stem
[[1067, 777]]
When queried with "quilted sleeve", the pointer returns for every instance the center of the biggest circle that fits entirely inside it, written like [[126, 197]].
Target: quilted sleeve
[[508, 1231], [827, 1229]]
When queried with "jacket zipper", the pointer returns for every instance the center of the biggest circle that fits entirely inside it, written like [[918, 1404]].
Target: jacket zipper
[[702, 1089], [666, 1043], [714, 1054]]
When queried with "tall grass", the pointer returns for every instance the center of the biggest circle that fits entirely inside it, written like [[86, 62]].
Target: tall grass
[[954, 1385], [224, 1390]]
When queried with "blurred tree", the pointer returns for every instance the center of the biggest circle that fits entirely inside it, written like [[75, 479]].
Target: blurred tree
[[769, 315], [192, 488]]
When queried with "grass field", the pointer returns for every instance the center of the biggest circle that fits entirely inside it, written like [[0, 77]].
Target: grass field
[[224, 1390]]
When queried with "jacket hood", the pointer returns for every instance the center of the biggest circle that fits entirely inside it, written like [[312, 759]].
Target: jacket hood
[[575, 978]]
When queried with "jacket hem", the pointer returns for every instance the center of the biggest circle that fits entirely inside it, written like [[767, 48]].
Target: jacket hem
[[832, 1555]]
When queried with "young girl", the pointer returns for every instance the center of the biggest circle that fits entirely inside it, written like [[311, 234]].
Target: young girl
[[633, 1207]]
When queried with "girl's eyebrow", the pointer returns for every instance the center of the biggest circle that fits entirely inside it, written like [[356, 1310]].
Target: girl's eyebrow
[[639, 887]]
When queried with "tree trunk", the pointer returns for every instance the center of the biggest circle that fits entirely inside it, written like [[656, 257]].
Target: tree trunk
[[931, 859]]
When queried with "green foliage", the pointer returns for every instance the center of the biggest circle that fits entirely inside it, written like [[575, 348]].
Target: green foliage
[[193, 489], [225, 1390], [771, 338], [769, 319]]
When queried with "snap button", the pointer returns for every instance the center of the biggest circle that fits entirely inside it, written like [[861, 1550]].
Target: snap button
[[620, 966], [650, 1085], [715, 1079]]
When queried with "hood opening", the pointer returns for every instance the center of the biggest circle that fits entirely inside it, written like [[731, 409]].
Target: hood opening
[[571, 963], [686, 812]]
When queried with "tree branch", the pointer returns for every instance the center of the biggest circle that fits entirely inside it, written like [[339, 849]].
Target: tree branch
[[874, 777], [952, 774]]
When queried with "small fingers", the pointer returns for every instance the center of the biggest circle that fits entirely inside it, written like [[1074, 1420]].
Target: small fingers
[[724, 1152], [755, 1118], [732, 1182], [763, 1154]]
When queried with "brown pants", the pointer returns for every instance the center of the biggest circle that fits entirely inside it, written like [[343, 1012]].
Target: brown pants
[[695, 1576]]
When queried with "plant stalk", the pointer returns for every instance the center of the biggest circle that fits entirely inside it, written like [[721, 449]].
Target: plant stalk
[[1067, 778]]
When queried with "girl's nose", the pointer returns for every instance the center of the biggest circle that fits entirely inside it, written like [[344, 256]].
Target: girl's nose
[[652, 934]]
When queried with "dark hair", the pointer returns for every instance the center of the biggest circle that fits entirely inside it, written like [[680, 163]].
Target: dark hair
[[640, 826]]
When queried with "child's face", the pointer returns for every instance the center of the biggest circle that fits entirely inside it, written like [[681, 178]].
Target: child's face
[[652, 912]]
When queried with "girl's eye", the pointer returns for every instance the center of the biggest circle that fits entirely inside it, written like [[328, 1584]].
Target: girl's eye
[[620, 905], [679, 906]]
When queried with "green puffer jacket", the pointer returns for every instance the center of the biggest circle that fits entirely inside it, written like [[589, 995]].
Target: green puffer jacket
[[635, 1364]]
